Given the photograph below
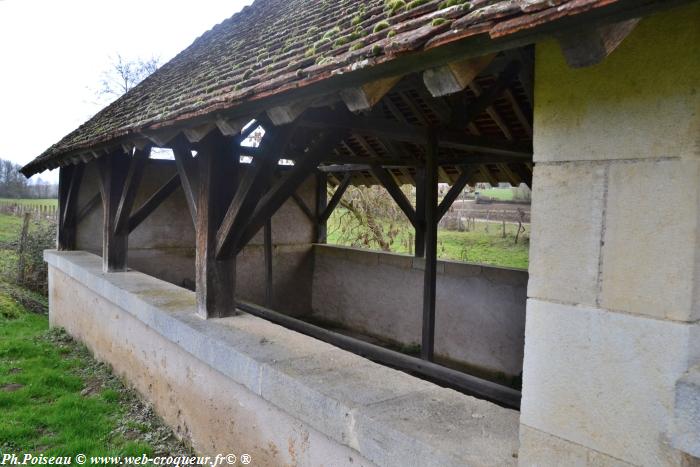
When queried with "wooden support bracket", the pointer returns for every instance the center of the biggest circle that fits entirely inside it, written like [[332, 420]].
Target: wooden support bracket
[[591, 46], [366, 96], [456, 76]]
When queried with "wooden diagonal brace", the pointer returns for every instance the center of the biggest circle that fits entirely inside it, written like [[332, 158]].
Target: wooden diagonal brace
[[250, 189], [388, 182], [335, 199], [131, 186], [454, 192], [155, 200], [284, 187]]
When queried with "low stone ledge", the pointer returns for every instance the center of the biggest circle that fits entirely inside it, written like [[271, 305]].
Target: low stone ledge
[[387, 416]]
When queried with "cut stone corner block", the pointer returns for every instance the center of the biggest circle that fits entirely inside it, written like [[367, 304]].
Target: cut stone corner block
[[685, 433]]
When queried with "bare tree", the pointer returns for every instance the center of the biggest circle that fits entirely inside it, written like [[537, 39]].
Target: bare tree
[[124, 75]]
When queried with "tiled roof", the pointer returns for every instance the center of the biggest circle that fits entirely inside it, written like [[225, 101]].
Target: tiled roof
[[277, 45]]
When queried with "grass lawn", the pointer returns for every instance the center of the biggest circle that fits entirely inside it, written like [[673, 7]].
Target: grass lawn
[[482, 245], [56, 400], [30, 202], [10, 227]]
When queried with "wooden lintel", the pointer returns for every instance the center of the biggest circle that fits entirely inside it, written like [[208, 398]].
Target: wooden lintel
[[366, 96], [591, 46], [455, 76]]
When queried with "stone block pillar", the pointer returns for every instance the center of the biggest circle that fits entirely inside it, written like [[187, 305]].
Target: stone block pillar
[[614, 290]]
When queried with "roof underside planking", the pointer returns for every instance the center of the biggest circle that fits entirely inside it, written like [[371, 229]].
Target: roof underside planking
[[303, 56]]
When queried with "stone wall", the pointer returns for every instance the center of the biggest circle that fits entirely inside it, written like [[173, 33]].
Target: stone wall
[[244, 385], [612, 315], [163, 245], [480, 310]]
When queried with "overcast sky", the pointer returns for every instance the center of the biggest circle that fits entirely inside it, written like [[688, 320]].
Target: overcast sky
[[53, 54]]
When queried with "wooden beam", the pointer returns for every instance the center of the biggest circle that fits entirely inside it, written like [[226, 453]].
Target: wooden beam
[[215, 278], [250, 190], [364, 97], [487, 98], [113, 169], [268, 262], [187, 170], [385, 178], [454, 76], [284, 187], [152, 203], [321, 204], [88, 207], [430, 273], [335, 199], [304, 208], [590, 46], [453, 193], [420, 226], [131, 186], [417, 134]]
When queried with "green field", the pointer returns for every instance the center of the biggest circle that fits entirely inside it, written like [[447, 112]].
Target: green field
[[30, 202], [482, 245], [10, 227], [56, 400], [501, 194]]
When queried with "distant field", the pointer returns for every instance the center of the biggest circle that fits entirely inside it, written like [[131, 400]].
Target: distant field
[[501, 194], [483, 245], [30, 202]]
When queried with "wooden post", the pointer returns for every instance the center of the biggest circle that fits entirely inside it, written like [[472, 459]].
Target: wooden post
[[22, 247], [321, 203], [429, 278], [217, 162], [268, 263], [113, 170], [69, 179], [420, 212]]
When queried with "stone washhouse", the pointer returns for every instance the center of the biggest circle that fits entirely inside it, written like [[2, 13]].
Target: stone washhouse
[[205, 278]]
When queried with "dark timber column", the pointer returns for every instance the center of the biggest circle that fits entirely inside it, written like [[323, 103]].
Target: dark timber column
[[217, 161], [420, 212], [69, 179], [321, 204], [268, 263], [429, 283], [113, 169]]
